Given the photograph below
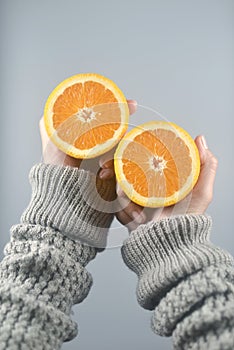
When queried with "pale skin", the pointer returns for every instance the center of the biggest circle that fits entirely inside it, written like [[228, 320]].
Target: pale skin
[[130, 214]]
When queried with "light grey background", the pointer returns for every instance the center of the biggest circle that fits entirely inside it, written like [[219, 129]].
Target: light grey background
[[173, 56]]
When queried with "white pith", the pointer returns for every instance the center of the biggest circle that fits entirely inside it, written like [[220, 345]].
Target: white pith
[[162, 163], [86, 115]]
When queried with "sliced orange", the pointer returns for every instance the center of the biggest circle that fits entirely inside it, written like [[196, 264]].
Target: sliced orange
[[86, 115], [157, 164]]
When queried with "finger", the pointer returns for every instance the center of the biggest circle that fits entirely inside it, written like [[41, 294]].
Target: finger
[[132, 106], [43, 133], [107, 160], [106, 174], [209, 163], [126, 220], [51, 154], [106, 164], [133, 210], [202, 148]]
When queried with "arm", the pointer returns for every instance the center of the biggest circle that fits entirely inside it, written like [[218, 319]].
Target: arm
[[182, 276], [186, 280], [44, 271]]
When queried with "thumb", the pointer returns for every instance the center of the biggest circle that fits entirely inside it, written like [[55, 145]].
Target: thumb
[[106, 163], [209, 163]]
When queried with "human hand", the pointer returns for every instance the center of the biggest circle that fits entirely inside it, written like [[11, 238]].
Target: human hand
[[132, 215], [52, 155]]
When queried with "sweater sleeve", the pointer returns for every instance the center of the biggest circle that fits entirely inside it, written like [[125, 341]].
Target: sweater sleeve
[[186, 280], [44, 270]]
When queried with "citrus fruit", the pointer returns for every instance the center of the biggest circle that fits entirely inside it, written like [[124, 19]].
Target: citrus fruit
[[157, 164], [86, 115]]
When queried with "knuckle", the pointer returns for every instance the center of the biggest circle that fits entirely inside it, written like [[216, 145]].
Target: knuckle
[[120, 192], [203, 196], [215, 161], [207, 196]]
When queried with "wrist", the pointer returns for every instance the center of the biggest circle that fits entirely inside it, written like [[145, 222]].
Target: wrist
[[163, 252], [71, 201]]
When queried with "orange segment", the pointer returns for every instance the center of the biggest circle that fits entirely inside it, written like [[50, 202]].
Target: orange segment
[[146, 150], [96, 136], [68, 130], [135, 176], [68, 103], [96, 93], [157, 164], [86, 115]]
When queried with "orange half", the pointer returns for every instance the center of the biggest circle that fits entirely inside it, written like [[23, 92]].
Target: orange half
[[86, 115], [157, 164]]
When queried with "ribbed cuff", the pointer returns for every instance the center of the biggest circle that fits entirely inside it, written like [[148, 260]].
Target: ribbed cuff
[[164, 252], [71, 201]]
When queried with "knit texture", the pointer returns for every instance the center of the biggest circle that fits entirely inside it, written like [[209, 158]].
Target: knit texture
[[43, 273], [74, 202], [186, 280]]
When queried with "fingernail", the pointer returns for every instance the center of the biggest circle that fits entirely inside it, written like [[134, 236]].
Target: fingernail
[[108, 164], [137, 217], [102, 174], [106, 174], [204, 142]]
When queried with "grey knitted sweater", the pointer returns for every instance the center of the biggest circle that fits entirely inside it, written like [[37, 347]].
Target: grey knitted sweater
[[187, 282]]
